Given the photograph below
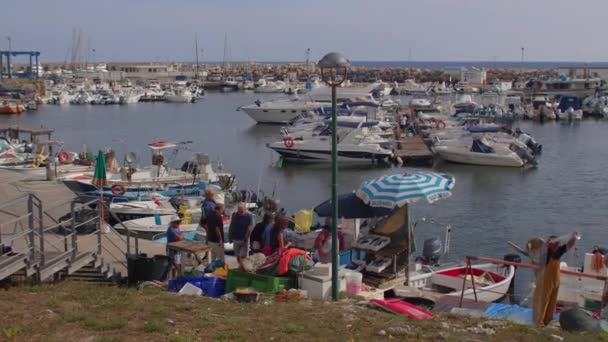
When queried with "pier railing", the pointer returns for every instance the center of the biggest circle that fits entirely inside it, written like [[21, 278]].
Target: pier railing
[[469, 271], [44, 246]]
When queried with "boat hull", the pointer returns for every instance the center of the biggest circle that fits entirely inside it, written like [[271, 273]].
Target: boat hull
[[312, 156], [273, 116], [454, 155], [488, 293]]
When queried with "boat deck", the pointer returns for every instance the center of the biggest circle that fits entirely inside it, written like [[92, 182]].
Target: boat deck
[[413, 151]]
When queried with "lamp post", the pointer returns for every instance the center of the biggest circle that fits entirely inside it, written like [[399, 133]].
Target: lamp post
[[8, 59], [334, 67]]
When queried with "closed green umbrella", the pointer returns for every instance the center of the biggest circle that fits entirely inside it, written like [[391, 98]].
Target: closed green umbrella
[[99, 176]]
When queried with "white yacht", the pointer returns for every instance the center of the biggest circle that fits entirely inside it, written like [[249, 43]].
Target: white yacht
[[130, 95], [271, 87], [180, 95], [279, 111], [354, 145]]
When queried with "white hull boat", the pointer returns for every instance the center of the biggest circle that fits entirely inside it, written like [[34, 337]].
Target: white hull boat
[[279, 112], [492, 282], [153, 225], [354, 145], [500, 155]]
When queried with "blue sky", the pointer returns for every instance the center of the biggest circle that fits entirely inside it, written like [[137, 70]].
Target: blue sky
[[281, 30]]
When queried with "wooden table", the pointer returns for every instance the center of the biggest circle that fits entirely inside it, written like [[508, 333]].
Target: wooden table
[[192, 247]]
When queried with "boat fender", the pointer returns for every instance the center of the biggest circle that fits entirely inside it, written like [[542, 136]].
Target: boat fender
[[64, 157], [118, 189], [288, 142], [440, 124]]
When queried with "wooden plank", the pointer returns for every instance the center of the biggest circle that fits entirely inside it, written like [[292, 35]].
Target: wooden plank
[[190, 246]]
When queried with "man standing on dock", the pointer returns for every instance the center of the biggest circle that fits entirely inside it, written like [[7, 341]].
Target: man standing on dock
[[215, 232], [241, 225], [547, 281]]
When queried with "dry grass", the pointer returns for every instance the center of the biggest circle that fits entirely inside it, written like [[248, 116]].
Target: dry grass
[[72, 311]]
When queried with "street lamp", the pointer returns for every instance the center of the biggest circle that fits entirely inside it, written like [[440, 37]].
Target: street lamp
[[8, 59], [334, 67]]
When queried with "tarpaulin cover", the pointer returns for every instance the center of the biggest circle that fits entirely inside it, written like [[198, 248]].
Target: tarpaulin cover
[[512, 312]]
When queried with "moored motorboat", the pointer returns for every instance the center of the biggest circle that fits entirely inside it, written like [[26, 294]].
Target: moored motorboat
[[148, 227], [492, 281], [484, 153]]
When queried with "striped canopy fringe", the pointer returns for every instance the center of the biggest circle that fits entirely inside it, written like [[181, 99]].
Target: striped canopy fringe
[[396, 191]]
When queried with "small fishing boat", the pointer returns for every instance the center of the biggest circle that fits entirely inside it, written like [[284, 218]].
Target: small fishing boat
[[491, 281], [148, 227]]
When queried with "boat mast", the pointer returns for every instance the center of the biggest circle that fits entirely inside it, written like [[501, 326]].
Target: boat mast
[[196, 51], [225, 62]]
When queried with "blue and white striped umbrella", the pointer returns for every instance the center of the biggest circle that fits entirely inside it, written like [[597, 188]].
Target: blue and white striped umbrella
[[397, 190]]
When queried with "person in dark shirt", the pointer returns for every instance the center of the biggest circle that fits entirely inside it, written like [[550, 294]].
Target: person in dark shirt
[[241, 225], [547, 281], [174, 234], [215, 232], [257, 235], [207, 207]]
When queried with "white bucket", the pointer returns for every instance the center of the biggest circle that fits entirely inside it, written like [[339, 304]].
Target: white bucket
[[354, 283]]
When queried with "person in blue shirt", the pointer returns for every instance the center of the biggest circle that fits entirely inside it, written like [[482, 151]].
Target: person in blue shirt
[[207, 208], [175, 234], [241, 225]]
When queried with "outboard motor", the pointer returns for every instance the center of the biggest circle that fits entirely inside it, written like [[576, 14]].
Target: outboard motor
[[523, 152], [431, 252], [531, 143]]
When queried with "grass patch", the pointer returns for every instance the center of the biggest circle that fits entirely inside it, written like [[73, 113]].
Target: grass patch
[[71, 317], [206, 320], [94, 313], [154, 326], [11, 332], [291, 328], [108, 338], [181, 338], [96, 324], [53, 303]]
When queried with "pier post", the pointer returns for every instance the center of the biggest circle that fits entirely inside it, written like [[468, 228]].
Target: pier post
[[30, 219], [41, 232]]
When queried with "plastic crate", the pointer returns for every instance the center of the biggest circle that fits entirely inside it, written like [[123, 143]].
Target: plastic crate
[[211, 286], [259, 282]]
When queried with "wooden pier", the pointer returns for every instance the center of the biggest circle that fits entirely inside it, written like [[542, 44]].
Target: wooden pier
[[413, 151]]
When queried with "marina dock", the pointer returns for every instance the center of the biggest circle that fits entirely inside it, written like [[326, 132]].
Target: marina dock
[[413, 151]]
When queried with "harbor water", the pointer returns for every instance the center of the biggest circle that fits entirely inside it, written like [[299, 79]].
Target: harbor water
[[489, 206]]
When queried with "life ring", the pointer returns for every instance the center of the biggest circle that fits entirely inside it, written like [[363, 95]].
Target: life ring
[[440, 124], [159, 143], [118, 189], [64, 157], [288, 142]]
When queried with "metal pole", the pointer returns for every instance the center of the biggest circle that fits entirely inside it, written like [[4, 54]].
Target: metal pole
[[74, 242], [30, 211], [335, 257], [41, 227], [8, 59]]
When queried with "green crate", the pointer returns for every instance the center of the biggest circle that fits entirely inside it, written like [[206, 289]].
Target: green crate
[[259, 282]]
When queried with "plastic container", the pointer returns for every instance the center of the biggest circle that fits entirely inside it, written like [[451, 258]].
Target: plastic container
[[211, 286], [259, 282], [191, 290], [354, 283]]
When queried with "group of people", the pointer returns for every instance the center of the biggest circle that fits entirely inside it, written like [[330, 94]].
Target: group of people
[[267, 237]]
